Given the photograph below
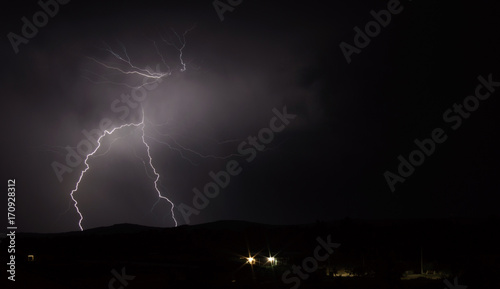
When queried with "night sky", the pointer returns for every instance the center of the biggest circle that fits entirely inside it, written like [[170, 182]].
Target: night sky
[[352, 120]]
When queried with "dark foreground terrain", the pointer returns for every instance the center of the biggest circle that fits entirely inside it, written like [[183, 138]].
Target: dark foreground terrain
[[380, 254]]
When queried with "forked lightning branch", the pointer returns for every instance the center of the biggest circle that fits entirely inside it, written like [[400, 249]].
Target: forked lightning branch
[[141, 127]]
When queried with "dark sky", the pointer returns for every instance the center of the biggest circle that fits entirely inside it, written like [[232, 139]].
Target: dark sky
[[352, 121]]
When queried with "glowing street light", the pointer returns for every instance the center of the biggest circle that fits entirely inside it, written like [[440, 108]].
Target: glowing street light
[[251, 260]]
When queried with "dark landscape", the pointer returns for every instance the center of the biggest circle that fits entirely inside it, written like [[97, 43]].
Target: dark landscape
[[382, 254]]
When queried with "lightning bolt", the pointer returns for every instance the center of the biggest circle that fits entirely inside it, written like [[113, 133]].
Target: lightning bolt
[[157, 175], [87, 167], [132, 69], [139, 125]]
